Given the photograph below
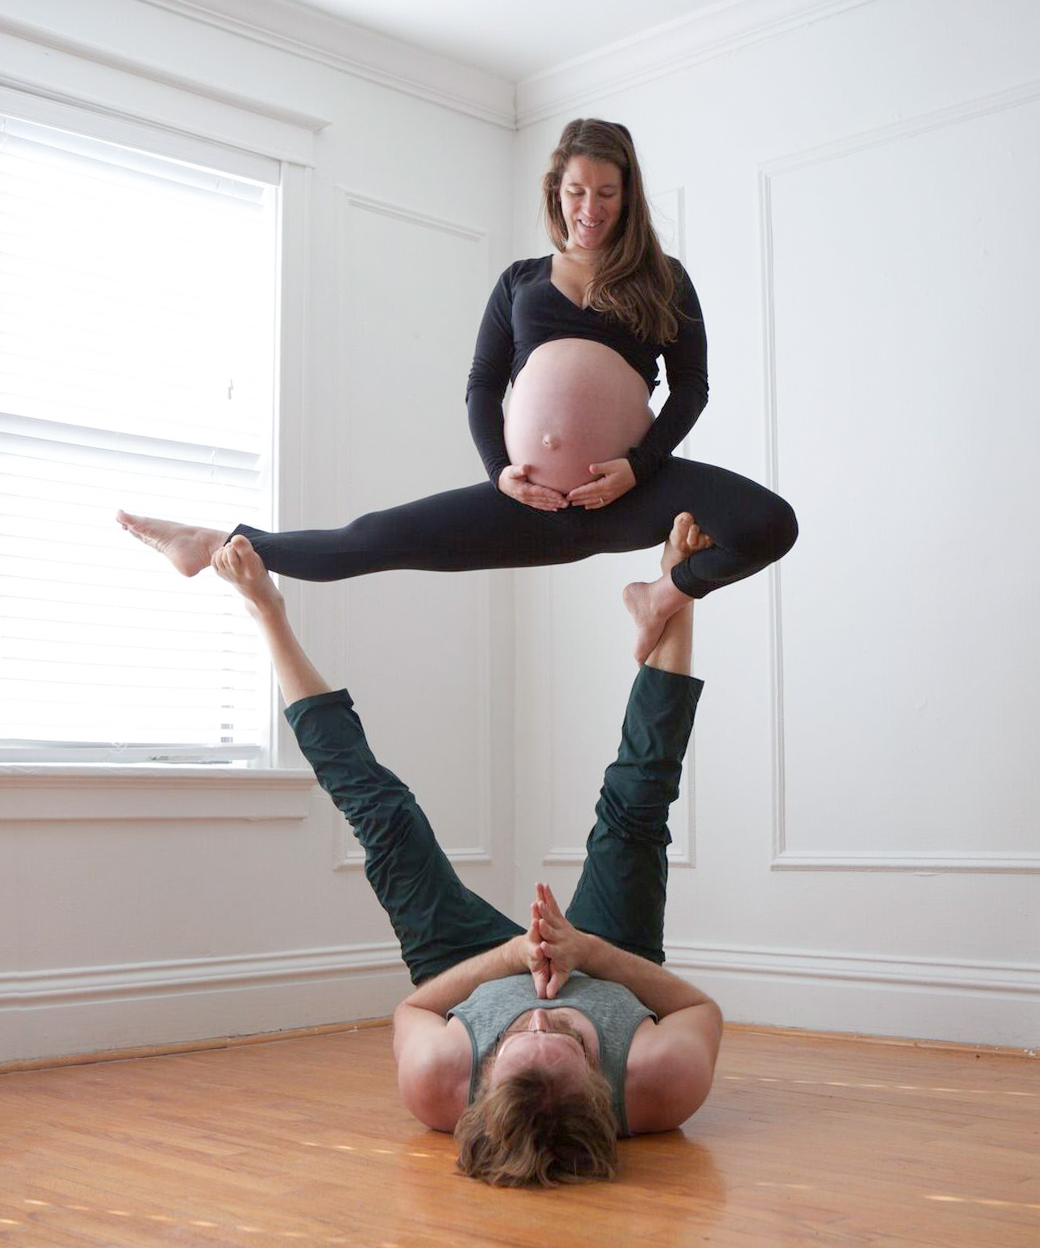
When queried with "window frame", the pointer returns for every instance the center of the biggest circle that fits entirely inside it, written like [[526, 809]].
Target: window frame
[[245, 140]]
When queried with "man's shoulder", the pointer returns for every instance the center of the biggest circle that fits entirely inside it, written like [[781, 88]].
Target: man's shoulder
[[670, 1067], [434, 1066]]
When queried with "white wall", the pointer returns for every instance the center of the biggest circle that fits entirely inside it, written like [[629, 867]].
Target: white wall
[[859, 198], [139, 910]]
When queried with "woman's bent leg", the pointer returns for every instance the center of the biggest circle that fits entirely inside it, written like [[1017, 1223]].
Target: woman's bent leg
[[751, 527], [438, 921], [621, 893], [456, 531]]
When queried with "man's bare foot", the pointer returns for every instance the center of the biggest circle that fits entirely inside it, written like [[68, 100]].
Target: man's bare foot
[[684, 540], [187, 547], [240, 565], [652, 604]]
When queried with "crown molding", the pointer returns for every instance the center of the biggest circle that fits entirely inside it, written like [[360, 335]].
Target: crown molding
[[312, 34], [332, 41], [34, 35], [728, 27]]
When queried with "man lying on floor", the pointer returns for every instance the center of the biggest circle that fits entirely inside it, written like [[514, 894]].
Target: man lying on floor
[[538, 1047]]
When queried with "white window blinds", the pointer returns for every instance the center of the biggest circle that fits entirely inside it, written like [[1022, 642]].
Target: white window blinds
[[137, 364]]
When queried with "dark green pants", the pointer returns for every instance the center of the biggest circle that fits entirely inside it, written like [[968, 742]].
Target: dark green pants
[[440, 922]]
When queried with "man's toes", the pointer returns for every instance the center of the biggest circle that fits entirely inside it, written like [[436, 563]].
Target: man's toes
[[679, 536], [694, 539]]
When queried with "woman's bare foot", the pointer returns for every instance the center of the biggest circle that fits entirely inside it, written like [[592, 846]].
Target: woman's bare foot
[[240, 565], [652, 604], [187, 547]]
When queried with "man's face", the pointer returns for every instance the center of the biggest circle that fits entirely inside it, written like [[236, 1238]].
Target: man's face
[[542, 1040]]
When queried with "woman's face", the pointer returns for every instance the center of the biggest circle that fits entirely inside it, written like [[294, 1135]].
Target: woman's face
[[591, 197]]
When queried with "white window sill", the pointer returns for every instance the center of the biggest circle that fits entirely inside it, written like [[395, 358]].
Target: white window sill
[[63, 792]]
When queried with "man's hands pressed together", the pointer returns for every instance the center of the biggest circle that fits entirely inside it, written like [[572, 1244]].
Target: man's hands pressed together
[[553, 947]]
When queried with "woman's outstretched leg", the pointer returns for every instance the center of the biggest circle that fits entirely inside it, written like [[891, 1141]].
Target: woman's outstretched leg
[[438, 921], [455, 531]]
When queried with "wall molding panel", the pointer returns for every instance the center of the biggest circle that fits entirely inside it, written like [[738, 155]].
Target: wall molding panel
[[787, 856], [350, 207], [920, 864], [349, 200], [984, 106]]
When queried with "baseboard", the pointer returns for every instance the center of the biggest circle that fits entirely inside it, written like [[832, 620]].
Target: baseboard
[[896, 1042], [85, 1010], [82, 1010], [205, 1044], [973, 1003]]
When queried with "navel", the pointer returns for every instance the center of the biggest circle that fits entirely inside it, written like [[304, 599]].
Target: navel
[[551, 442]]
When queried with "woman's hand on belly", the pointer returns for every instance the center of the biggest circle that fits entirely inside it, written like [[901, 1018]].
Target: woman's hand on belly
[[615, 478], [512, 480]]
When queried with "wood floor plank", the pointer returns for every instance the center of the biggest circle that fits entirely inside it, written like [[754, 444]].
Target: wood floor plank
[[804, 1140]]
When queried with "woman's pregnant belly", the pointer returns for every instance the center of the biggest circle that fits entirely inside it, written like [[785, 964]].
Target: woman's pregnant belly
[[574, 403]]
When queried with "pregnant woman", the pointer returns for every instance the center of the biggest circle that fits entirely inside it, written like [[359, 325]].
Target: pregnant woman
[[578, 465]]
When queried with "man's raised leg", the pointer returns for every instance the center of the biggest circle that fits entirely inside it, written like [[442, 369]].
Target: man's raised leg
[[621, 894], [438, 921], [240, 565]]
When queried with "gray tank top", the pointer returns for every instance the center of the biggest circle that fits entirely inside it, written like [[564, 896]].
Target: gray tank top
[[613, 1010]]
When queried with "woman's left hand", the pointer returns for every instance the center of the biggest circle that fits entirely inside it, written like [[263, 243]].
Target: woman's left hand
[[614, 477]]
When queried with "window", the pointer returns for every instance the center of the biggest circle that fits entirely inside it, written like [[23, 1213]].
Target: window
[[137, 369]]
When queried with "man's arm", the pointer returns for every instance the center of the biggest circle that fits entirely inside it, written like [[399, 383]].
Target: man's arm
[[670, 1067], [444, 991], [658, 989], [670, 1064]]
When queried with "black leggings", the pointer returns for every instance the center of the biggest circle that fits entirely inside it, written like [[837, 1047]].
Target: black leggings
[[477, 527]]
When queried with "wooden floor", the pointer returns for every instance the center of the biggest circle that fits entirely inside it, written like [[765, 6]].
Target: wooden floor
[[804, 1141]]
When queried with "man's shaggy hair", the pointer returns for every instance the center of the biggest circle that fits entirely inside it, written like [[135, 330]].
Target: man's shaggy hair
[[537, 1128]]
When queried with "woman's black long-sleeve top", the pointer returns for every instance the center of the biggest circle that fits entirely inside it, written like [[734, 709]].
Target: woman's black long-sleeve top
[[526, 309]]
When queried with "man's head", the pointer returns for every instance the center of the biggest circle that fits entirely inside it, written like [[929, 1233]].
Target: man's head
[[544, 1111], [542, 1040]]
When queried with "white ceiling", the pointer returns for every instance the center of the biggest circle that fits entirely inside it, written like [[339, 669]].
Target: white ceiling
[[514, 38]]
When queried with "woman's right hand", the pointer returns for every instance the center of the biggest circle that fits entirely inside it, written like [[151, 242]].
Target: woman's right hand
[[512, 480]]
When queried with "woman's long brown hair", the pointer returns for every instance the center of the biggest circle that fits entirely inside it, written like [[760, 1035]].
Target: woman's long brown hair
[[635, 281]]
